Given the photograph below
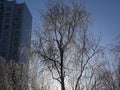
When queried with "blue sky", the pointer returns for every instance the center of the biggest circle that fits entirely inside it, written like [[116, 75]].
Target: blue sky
[[105, 16]]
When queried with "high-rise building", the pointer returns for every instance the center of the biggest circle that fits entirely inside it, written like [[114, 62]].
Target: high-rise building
[[15, 29]]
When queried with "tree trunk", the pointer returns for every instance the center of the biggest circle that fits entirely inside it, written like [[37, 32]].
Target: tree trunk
[[62, 72], [62, 84]]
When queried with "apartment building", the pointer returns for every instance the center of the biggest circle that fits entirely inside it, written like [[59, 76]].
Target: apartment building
[[15, 29]]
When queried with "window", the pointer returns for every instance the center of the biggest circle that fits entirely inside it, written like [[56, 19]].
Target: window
[[7, 14], [3, 54], [18, 27], [4, 48], [6, 27], [6, 33], [3, 41], [1, 10], [19, 12], [16, 18], [7, 20], [8, 8]]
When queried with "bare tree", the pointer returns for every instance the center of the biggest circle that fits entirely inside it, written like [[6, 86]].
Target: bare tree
[[13, 75], [116, 52], [105, 78], [3, 75], [64, 42], [107, 75], [17, 75]]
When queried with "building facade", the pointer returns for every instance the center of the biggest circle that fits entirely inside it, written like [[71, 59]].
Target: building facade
[[15, 29]]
